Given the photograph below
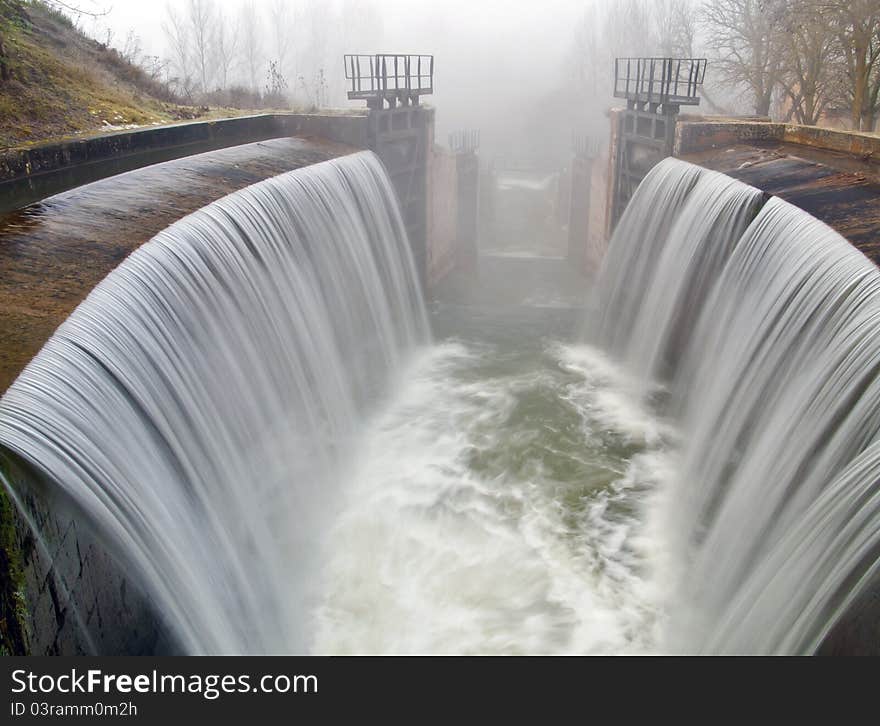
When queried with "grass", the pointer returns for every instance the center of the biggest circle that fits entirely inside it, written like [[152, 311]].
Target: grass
[[65, 84]]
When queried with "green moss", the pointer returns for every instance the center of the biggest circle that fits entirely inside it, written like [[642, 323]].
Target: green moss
[[13, 602]]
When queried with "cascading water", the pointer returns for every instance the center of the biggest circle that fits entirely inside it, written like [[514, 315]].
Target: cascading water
[[769, 340], [246, 410], [197, 405]]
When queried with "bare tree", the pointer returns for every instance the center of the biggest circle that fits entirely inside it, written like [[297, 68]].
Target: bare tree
[[607, 31], [78, 10], [808, 62], [201, 20], [251, 43], [857, 27], [156, 68], [316, 20], [628, 28], [676, 27], [589, 59], [177, 36], [748, 45], [225, 47], [276, 87], [131, 48], [281, 21]]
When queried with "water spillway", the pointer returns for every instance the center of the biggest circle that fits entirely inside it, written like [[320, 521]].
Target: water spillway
[[53, 253], [196, 404], [762, 328], [251, 411]]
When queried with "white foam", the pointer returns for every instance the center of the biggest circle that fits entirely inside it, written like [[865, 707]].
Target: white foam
[[432, 556]]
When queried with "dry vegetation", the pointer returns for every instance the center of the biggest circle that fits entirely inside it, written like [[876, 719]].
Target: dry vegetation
[[59, 83]]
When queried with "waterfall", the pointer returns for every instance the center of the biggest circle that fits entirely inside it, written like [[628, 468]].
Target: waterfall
[[248, 412], [763, 327], [199, 405]]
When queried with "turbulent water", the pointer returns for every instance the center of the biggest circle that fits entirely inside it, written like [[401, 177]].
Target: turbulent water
[[251, 410], [495, 504]]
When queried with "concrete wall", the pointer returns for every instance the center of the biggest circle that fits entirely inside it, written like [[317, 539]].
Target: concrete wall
[[468, 206], [403, 138], [27, 175], [442, 246], [579, 203], [426, 179], [691, 136], [597, 234], [703, 134], [588, 212]]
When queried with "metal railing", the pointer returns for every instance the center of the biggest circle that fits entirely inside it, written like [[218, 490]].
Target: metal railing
[[389, 76], [465, 141], [659, 80]]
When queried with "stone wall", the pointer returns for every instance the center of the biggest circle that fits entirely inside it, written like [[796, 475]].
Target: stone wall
[[70, 596]]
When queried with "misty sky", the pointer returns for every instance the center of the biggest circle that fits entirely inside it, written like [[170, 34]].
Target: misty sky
[[491, 55], [510, 27]]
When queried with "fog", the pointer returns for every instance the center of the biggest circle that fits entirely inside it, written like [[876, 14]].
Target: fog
[[513, 70], [529, 75]]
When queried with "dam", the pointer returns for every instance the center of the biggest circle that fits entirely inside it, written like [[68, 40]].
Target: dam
[[288, 401]]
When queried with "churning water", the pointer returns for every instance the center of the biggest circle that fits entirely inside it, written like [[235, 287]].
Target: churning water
[[251, 410], [495, 503]]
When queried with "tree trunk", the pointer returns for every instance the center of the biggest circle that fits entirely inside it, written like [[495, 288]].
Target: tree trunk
[[860, 85], [762, 104]]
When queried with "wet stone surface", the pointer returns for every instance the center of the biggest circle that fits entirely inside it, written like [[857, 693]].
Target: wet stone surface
[[54, 252], [836, 188]]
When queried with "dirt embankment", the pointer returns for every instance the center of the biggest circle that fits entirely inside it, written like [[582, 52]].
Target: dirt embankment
[[56, 82]]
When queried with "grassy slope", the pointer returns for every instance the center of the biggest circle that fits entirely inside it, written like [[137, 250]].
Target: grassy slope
[[64, 83]]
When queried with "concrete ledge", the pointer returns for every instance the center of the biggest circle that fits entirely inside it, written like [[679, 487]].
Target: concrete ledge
[[28, 175], [692, 136], [865, 146], [832, 175]]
